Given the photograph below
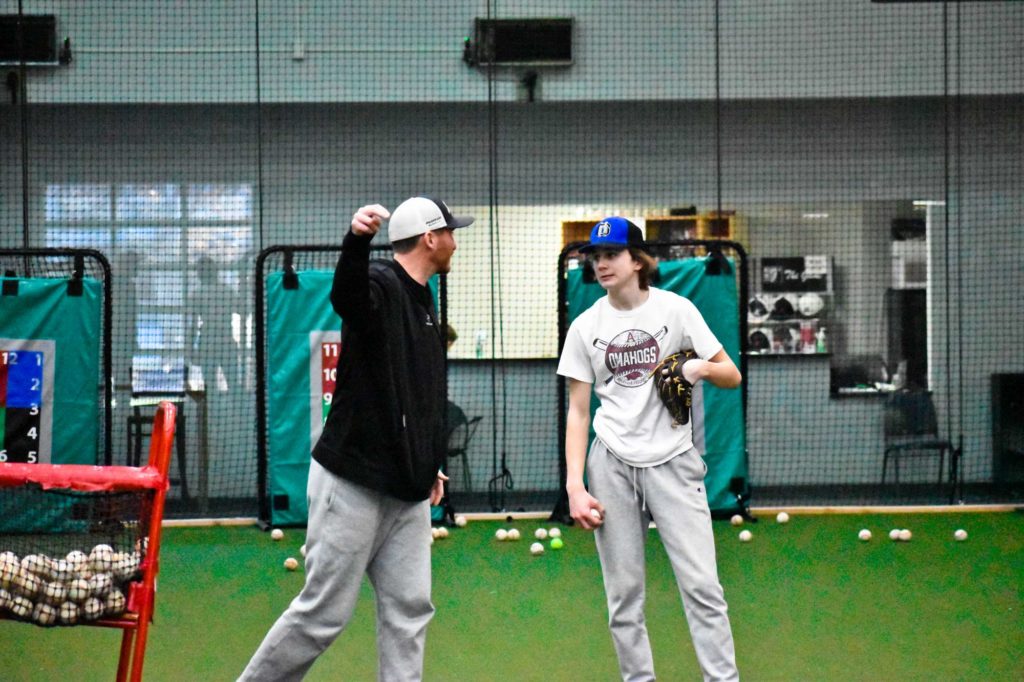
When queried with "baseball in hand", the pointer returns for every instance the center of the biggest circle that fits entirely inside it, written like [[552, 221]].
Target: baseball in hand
[[692, 369], [368, 219], [596, 514]]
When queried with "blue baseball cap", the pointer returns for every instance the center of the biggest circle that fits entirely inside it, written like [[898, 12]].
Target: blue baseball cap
[[614, 233]]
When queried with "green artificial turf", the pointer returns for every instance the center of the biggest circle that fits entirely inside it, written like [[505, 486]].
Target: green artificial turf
[[808, 601]]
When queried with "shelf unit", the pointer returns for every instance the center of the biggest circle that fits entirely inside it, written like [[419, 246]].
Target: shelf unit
[[773, 330], [711, 225], [790, 308]]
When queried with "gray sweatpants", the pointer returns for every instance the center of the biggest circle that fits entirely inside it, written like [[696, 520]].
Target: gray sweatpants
[[354, 531], [673, 496]]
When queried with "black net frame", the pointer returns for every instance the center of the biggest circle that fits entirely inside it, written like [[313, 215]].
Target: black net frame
[[72, 265], [290, 260]]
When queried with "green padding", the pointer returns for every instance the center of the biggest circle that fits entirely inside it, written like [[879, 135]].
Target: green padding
[[66, 329], [716, 298], [294, 316], [43, 311]]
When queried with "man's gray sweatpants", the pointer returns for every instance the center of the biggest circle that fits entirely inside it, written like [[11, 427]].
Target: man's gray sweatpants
[[354, 531], [673, 496]]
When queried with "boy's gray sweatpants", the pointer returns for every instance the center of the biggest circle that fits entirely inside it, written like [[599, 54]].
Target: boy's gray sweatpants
[[673, 496], [354, 531]]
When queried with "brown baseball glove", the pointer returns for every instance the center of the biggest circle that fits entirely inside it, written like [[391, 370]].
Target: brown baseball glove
[[673, 388]]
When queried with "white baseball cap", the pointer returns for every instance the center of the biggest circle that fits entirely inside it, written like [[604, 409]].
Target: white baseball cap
[[417, 215]]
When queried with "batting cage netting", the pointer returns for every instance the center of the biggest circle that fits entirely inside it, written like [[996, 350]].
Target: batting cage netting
[[867, 156]]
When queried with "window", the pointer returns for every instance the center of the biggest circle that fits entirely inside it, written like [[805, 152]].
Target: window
[[179, 254]]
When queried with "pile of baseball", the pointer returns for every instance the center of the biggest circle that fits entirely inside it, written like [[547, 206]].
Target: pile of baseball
[[79, 587]]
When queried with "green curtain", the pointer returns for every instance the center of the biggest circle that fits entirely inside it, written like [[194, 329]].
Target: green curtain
[[52, 384]]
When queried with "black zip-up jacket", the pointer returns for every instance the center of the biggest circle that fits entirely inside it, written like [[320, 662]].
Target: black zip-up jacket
[[385, 428]]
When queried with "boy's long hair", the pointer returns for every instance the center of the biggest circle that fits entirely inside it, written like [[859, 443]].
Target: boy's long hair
[[648, 266]]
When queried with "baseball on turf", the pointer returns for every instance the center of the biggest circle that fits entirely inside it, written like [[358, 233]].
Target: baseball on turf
[[540, 533], [501, 534], [864, 534], [746, 536], [536, 549], [276, 534], [291, 563], [460, 521], [960, 535], [554, 533], [513, 534], [905, 535], [302, 550], [894, 534], [736, 520], [782, 517]]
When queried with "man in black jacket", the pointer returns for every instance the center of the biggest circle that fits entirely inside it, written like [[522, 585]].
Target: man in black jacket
[[376, 469]]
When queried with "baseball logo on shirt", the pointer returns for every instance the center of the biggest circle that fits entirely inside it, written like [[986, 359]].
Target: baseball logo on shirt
[[631, 356]]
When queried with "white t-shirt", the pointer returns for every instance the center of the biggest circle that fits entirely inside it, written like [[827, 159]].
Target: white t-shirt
[[615, 350]]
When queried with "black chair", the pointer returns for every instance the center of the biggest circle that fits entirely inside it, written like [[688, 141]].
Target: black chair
[[911, 430], [140, 428], [460, 433]]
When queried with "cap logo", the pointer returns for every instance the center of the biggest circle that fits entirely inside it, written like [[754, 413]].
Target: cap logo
[[435, 221], [603, 229]]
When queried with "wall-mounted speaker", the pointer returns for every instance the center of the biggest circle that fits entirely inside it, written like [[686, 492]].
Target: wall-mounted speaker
[[28, 38], [523, 42]]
